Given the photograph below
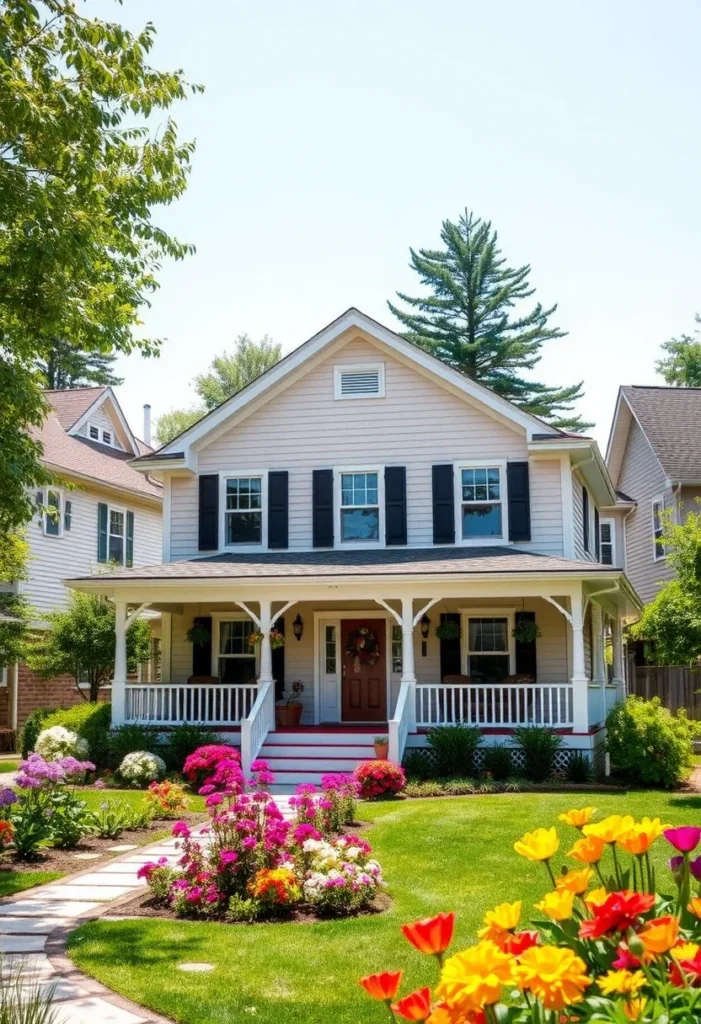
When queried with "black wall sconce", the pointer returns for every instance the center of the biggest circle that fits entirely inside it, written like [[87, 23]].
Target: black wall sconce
[[298, 627], [425, 625]]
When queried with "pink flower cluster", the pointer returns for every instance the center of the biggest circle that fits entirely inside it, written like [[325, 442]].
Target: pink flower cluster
[[380, 778], [203, 761], [37, 773], [329, 810]]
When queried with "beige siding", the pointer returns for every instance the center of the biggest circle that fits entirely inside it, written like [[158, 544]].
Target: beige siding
[[75, 553], [578, 521], [417, 424], [103, 420], [690, 501], [642, 478]]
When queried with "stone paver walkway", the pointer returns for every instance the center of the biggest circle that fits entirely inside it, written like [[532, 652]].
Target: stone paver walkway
[[35, 924]]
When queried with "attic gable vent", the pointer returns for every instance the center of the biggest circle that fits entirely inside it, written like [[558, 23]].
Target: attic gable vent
[[359, 381]]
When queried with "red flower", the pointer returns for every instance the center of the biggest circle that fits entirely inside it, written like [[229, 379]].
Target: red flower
[[691, 969], [433, 935], [519, 942], [416, 1006], [382, 986], [620, 911]]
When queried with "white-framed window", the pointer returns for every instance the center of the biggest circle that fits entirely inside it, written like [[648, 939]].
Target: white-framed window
[[93, 432], [100, 434], [360, 505], [330, 651], [107, 437], [490, 649], [482, 510], [607, 533], [658, 546], [234, 658], [366, 380], [116, 535], [397, 640], [243, 505], [57, 515]]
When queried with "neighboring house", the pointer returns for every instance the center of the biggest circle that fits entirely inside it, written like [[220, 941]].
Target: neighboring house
[[654, 458], [363, 485], [106, 512]]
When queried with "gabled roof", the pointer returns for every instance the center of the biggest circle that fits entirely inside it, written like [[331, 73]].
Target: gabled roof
[[72, 404], [326, 337], [670, 419]]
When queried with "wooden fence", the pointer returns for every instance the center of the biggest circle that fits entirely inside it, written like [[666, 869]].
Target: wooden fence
[[675, 685]]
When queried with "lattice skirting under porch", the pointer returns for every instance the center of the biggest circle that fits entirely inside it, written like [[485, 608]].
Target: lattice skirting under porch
[[562, 757]]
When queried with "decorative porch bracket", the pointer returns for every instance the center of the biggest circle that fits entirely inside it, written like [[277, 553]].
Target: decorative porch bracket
[[265, 623]]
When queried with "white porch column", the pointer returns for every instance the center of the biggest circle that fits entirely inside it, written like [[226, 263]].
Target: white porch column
[[408, 664], [119, 681], [617, 645], [598, 681], [266, 652], [580, 710]]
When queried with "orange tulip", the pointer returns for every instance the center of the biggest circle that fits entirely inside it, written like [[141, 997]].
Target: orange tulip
[[382, 986], [588, 851], [416, 1006], [660, 935], [433, 935], [695, 906]]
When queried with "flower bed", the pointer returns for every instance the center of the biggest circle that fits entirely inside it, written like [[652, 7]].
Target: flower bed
[[609, 946]]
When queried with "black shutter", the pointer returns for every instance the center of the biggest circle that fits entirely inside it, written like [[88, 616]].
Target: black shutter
[[130, 539], [67, 515], [322, 508], [443, 505], [519, 492], [208, 539], [278, 654], [585, 518], [395, 505], [597, 534], [278, 508], [202, 653], [101, 532], [526, 662], [450, 648]]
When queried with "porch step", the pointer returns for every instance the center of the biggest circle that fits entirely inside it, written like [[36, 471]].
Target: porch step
[[307, 754], [324, 765], [355, 751]]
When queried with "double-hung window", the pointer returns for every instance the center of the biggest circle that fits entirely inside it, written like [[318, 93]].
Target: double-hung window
[[608, 542], [481, 497], [237, 659], [53, 526], [659, 550], [360, 506], [488, 652], [243, 510], [116, 537]]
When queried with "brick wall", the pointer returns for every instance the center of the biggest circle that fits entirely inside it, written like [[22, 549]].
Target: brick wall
[[34, 692]]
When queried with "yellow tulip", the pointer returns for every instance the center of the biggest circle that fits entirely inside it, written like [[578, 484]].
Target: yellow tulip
[[642, 836], [578, 818], [634, 1008], [539, 845], [596, 897], [610, 829], [557, 904], [503, 918], [575, 881]]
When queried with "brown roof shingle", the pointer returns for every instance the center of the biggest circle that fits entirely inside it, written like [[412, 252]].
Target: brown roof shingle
[[71, 404], [671, 420]]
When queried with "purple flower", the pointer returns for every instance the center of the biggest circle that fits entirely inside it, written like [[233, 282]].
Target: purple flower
[[695, 868], [99, 784], [249, 843], [227, 857], [27, 782], [7, 797], [685, 839]]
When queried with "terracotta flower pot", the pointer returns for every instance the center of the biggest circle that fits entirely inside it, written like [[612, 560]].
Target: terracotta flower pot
[[381, 751], [288, 714]]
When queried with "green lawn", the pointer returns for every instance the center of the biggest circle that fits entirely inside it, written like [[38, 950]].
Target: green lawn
[[453, 853], [8, 766], [17, 881], [131, 797]]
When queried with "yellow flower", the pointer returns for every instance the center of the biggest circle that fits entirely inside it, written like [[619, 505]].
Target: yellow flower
[[634, 1008], [596, 897], [695, 906], [611, 828], [503, 918], [660, 935], [578, 818], [474, 978], [686, 951], [557, 905], [553, 974], [642, 836], [575, 881], [539, 845], [621, 983], [589, 850]]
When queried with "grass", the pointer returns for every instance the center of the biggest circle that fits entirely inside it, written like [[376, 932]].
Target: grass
[[17, 881], [8, 766], [452, 853], [131, 797]]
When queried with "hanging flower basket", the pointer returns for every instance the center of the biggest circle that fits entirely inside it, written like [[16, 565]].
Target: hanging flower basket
[[448, 630], [276, 638], [526, 631], [198, 635], [363, 647]]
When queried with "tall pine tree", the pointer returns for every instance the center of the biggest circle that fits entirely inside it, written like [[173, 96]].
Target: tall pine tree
[[65, 366], [474, 319]]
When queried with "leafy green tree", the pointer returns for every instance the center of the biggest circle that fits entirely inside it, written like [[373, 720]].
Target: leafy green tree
[[473, 319], [68, 367], [80, 641], [172, 423], [14, 609], [232, 371], [681, 367], [81, 175]]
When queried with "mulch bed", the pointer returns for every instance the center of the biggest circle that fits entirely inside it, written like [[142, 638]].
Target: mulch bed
[[68, 861]]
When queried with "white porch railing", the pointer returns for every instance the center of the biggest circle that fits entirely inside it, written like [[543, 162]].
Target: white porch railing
[[256, 726], [399, 724], [201, 703], [496, 704]]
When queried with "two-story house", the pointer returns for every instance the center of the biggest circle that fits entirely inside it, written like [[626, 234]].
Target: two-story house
[[654, 459], [359, 496], [106, 513]]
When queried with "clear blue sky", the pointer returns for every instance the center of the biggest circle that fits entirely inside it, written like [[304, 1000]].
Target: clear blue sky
[[334, 135]]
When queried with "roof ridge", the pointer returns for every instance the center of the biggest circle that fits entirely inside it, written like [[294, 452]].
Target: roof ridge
[[68, 391]]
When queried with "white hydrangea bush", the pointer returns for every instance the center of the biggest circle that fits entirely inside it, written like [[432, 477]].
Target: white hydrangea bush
[[141, 767], [57, 742], [341, 877]]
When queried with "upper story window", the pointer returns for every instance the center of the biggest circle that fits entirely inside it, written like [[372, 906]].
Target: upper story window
[[360, 506], [607, 532], [243, 511], [659, 550], [481, 494], [115, 535], [57, 511], [98, 433], [361, 381]]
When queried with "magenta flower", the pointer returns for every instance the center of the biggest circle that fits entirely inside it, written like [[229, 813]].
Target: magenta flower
[[685, 839], [695, 868], [181, 829]]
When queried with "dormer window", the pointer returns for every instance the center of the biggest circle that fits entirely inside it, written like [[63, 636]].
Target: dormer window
[[93, 432], [107, 437], [361, 381], [100, 434]]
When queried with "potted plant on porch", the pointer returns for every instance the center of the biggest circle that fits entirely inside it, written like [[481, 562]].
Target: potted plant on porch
[[290, 711], [381, 745]]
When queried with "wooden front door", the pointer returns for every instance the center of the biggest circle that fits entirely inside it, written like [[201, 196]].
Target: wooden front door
[[364, 685]]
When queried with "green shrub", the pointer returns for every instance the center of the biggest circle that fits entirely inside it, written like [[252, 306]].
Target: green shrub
[[427, 788], [92, 722], [539, 747], [126, 739], [498, 762], [454, 749], [579, 768], [418, 766], [183, 741], [648, 744], [31, 729]]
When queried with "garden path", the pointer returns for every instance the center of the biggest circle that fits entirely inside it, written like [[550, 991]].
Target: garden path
[[35, 924]]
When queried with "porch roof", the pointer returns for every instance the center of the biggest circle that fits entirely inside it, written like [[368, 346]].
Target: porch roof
[[382, 562]]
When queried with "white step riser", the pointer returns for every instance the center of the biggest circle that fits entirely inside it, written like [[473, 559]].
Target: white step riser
[[294, 778], [362, 753], [321, 766], [324, 739]]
